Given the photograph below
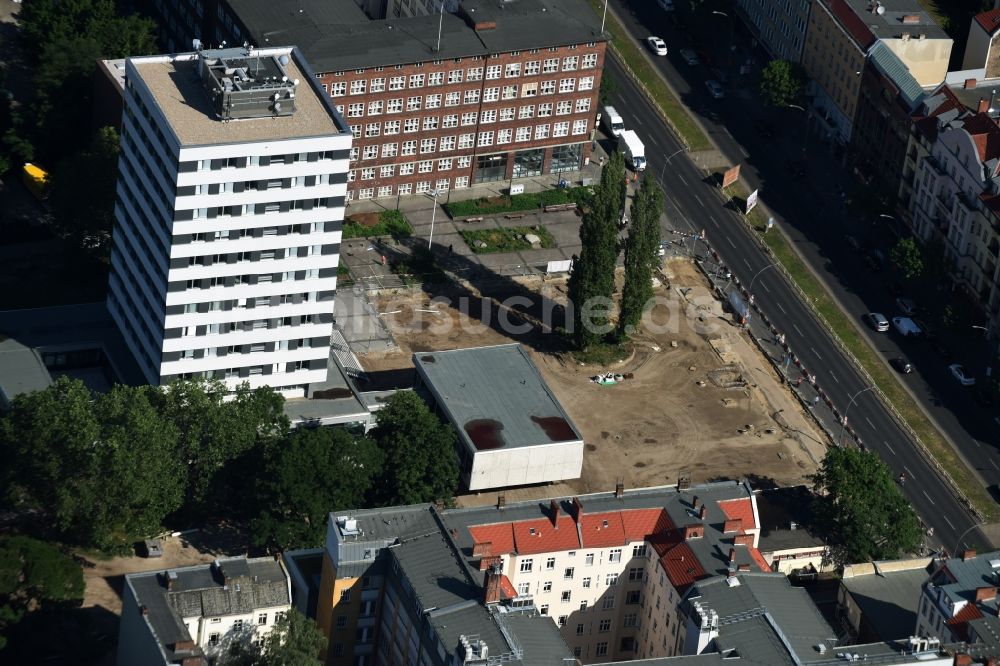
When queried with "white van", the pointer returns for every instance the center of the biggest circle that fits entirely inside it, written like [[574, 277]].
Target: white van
[[612, 121]]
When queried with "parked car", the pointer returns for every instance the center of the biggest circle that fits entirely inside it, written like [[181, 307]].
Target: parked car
[[715, 89], [656, 45], [690, 57], [901, 364], [906, 305], [983, 396], [877, 321], [963, 376]]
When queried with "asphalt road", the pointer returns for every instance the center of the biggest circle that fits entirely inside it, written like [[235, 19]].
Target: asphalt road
[[695, 205]]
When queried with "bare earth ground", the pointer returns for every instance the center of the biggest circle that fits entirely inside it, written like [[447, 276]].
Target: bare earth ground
[[671, 419]]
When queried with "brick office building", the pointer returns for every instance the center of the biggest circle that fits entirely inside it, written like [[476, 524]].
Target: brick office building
[[492, 92]]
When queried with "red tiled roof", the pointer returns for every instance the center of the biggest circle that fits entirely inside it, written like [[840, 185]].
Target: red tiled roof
[[741, 509], [759, 560], [969, 612], [546, 538], [682, 566], [501, 535], [986, 135], [852, 23], [640, 523], [507, 589], [989, 21], [597, 534]]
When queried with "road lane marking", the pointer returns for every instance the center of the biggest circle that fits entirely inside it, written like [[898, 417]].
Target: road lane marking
[[698, 199], [834, 377], [891, 450], [779, 307], [870, 422], [730, 241], [947, 521], [909, 473], [927, 496], [764, 286], [813, 349], [994, 463], [681, 178], [747, 262], [797, 329]]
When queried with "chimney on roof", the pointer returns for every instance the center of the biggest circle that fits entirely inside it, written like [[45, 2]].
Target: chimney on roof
[[986, 593], [968, 554], [620, 489], [983, 105], [554, 513], [501, 501], [683, 482], [969, 84], [963, 660], [732, 556], [181, 646], [743, 540], [487, 562], [694, 502], [703, 512], [911, 19], [694, 531], [577, 509], [743, 567], [483, 549], [491, 585], [733, 525]]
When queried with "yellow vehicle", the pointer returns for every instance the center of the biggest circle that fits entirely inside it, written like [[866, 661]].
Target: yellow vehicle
[[35, 179]]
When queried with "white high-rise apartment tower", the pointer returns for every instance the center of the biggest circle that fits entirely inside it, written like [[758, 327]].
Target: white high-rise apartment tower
[[231, 189]]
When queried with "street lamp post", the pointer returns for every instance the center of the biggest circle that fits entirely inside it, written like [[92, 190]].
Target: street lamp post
[[732, 30], [958, 541], [604, 16], [843, 421], [986, 330], [667, 161], [754, 278], [434, 195]]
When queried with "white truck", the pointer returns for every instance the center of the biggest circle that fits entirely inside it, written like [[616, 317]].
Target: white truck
[[612, 121], [635, 152]]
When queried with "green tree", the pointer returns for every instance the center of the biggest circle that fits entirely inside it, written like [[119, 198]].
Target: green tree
[[641, 255], [420, 462], [609, 86], [782, 83], [592, 282], [34, 575], [214, 434], [295, 640], [82, 192], [306, 476], [861, 508], [907, 257], [103, 467]]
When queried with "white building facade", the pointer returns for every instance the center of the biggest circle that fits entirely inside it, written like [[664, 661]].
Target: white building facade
[[228, 218]]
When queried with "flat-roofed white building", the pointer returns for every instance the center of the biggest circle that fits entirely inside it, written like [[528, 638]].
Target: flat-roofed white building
[[512, 431], [231, 189]]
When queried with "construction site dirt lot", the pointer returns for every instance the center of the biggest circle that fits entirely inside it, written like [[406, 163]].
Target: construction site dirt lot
[[702, 402]]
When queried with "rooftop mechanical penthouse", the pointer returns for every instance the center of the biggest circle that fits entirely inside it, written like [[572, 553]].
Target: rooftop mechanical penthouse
[[230, 202]]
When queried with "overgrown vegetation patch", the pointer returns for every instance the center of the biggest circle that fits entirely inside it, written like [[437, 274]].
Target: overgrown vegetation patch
[[371, 225], [507, 239], [518, 202]]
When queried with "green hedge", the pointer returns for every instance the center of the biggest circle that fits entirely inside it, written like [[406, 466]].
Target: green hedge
[[506, 239], [390, 223], [518, 202]]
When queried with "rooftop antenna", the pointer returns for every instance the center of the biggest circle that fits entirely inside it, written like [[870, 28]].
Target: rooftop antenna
[[440, 22]]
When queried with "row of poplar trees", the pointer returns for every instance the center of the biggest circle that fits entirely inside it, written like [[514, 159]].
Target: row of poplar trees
[[592, 283]]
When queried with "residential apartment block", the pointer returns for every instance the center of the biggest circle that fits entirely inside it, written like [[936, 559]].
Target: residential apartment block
[[483, 91], [955, 198], [840, 38], [959, 602], [191, 615], [780, 27], [231, 193]]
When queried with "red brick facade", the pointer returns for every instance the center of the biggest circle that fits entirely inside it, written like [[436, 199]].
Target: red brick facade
[[407, 129]]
